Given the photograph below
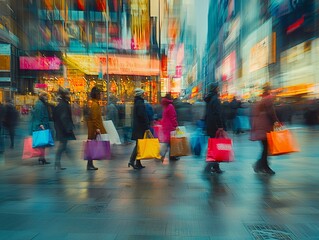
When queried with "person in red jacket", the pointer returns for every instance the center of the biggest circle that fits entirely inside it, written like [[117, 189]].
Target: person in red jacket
[[169, 124], [263, 119]]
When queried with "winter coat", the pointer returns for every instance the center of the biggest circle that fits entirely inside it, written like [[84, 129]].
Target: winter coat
[[94, 120], [169, 119], [263, 117], [214, 115], [63, 123], [40, 116], [141, 122]]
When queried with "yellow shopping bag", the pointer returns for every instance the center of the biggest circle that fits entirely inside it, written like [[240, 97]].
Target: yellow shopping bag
[[148, 147]]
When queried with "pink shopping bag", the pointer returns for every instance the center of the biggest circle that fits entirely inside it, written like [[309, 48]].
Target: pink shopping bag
[[29, 152]]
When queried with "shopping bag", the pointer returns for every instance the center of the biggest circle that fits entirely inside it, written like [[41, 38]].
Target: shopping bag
[[148, 147], [111, 130], [158, 132], [220, 148], [97, 150], [281, 142], [42, 138], [179, 147], [29, 151]]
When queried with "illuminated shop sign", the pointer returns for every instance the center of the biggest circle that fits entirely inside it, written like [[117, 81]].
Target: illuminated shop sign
[[229, 66], [259, 55], [40, 63], [117, 64]]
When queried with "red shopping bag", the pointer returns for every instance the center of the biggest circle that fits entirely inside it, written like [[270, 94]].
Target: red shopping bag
[[220, 149], [29, 152]]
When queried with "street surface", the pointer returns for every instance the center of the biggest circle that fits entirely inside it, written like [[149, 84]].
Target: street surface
[[174, 200]]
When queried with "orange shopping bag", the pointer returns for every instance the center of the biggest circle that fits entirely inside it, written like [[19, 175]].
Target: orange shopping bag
[[281, 142]]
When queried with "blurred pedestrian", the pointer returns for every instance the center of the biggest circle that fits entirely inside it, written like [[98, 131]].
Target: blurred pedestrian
[[10, 120], [76, 113], [214, 120], [141, 123], [263, 120], [1, 128], [40, 119], [169, 124], [63, 124], [94, 121], [150, 114], [112, 112]]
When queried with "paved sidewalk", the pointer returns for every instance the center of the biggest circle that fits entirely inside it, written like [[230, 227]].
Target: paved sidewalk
[[163, 201]]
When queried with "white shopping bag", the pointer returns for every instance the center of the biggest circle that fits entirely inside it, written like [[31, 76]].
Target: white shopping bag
[[114, 137]]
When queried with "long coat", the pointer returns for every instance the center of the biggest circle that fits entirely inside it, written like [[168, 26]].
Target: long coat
[[94, 120], [169, 119], [40, 116], [214, 115], [63, 123], [262, 119], [141, 122]]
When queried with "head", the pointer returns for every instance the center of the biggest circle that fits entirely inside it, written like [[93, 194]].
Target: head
[[213, 87], [138, 92], [43, 96], [64, 93], [266, 88], [95, 93]]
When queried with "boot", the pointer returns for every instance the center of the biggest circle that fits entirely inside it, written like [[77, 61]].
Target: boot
[[90, 165], [57, 166]]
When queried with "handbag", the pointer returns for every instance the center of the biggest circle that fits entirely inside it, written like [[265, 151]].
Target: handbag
[[148, 147], [281, 141], [179, 146], [220, 148], [29, 151], [97, 150], [42, 138]]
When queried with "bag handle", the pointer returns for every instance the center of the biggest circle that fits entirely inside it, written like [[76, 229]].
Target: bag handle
[[220, 133], [98, 137], [148, 134], [278, 127]]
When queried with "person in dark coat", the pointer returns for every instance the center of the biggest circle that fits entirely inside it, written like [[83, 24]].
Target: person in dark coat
[[40, 119], [63, 125], [214, 120], [10, 120], [263, 120], [140, 124]]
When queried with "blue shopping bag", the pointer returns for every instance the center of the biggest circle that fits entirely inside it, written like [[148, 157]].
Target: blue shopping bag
[[42, 138]]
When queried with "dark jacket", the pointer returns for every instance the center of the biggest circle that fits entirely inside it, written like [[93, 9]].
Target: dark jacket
[[63, 123], [40, 116], [141, 122], [263, 117], [214, 116]]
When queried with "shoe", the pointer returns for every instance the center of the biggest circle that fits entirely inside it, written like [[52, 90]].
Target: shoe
[[140, 166], [91, 167], [132, 165], [173, 158], [217, 170], [257, 169], [42, 161], [58, 167], [269, 171]]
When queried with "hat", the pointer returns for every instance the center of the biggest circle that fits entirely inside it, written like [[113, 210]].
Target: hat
[[212, 87], [138, 92]]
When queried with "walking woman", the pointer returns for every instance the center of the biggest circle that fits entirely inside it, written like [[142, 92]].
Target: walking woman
[[63, 125], [263, 120], [141, 123], [94, 121], [214, 120], [169, 124], [40, 119]]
